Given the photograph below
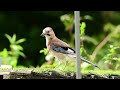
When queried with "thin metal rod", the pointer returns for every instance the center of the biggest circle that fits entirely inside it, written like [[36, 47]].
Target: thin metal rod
[[0, 61], [77, 44]]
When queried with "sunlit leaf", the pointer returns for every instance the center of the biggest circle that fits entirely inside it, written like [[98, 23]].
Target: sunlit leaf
[[115, 58], [44, 51], [106, 61], [22, 54], [20, 41], [119, 59], [111, 46], [14, 38], [82, 28], [109, 27], [41, 51], [14, 47], [81, 50], [13, 62], [65, 17], [88, 17], [89, 39], [9, 38], [68, 21], [5, 53], [19, 47]]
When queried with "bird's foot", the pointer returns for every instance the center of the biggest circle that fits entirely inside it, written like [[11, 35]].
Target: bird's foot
[[58, 68]]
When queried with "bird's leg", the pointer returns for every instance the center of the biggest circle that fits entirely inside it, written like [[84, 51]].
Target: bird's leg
[[65, 64], [59, 63]]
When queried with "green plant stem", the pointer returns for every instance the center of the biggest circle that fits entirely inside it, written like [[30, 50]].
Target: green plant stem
[[106, 39]]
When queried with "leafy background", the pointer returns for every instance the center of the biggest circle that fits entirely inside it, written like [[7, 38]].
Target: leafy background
[[99, 26]]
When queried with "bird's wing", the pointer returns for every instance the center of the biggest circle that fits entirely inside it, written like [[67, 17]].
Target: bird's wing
[[61, 47]]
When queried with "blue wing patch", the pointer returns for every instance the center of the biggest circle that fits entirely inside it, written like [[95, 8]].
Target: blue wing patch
[[65, 50]]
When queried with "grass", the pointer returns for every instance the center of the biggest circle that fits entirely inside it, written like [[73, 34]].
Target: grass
[[97, 72], [51, 68], [47, 68], [51, 73], [102, 72]]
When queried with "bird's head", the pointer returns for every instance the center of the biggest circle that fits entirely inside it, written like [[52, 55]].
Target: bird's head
[[48, 33]]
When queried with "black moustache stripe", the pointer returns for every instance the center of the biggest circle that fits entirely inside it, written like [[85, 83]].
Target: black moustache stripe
[[48, 34]]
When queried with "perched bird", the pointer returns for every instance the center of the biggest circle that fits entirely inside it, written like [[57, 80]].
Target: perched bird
[[59, 48]]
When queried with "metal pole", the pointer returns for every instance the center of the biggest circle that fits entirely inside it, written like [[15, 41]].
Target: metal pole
[[0, 61], [77, 44]]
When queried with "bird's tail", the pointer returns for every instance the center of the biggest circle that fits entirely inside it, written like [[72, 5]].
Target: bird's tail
[[88, 62], [74, 56]]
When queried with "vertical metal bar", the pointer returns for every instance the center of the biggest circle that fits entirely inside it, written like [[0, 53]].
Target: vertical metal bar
[[77, 44], [0, 61]]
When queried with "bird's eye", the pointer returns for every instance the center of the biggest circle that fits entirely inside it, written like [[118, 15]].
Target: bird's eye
[[47, 31]]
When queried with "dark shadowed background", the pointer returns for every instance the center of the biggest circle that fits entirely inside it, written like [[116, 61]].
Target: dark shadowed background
[[29, 25]]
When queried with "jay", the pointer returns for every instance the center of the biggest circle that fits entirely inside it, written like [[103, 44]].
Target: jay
[[59, 48]]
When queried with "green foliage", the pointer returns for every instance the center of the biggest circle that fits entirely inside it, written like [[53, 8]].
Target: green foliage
[[68, 22], [30, 24], [82, 33], [110, 53], [44, 50], [101, 48], [82, 28], [11, 56], [112, 59], [86, 37], [109, 28]]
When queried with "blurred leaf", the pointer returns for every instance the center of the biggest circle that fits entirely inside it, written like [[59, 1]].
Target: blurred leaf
[[41, 51], [14, 53], [22, 54], [89, 39], [65, 17], [82, 28], [20, 41], [81, 50], [68, 21], [9, 38], [44, 51], [112, 49], [109, 27], [119, 59], [111, 46], [14, 38], [19, 47], [14, 47], [13, 62], [88, 17], [115, 58], [4, 53]]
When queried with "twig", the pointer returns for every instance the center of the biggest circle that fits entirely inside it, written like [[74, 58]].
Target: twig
[[107, 38]]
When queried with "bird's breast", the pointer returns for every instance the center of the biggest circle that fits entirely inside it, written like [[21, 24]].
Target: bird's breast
[[60, 56], [47, 42]]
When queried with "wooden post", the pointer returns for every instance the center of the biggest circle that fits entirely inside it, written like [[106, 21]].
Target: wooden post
[[5, 71], [4, 75], [77, 44]]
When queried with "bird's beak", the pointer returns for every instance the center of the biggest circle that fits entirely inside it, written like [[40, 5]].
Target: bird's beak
[[42, 34]]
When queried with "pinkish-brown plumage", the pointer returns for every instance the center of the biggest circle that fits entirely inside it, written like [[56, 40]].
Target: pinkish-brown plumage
[[59, 48]]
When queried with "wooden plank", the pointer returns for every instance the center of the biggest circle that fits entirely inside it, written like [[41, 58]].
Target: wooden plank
[[1, 76], [3, 73]]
